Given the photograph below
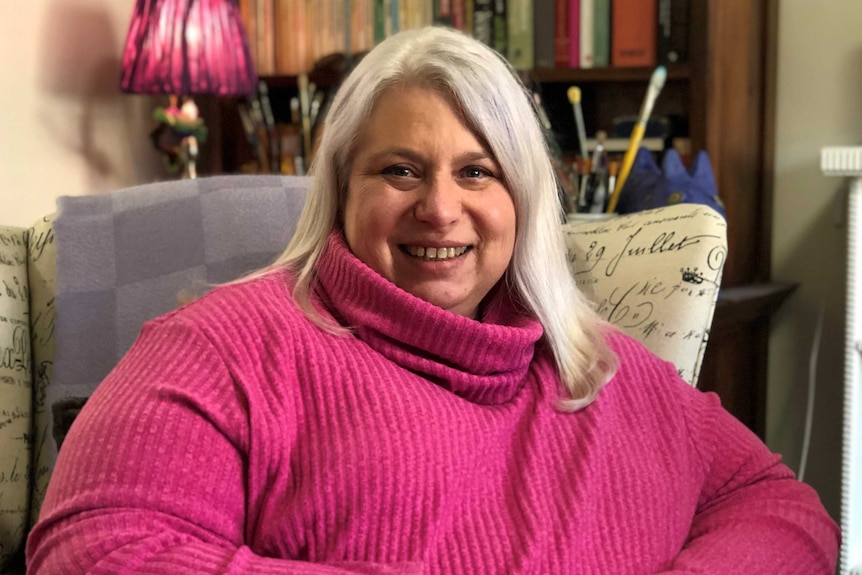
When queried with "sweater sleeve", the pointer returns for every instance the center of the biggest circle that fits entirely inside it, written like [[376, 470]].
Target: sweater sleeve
[[752, 516], [151, 477]]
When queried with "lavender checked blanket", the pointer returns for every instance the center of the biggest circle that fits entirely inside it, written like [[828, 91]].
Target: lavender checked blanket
[[127, 257]]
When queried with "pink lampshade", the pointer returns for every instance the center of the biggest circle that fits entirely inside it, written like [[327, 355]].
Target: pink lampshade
[[187, 47]]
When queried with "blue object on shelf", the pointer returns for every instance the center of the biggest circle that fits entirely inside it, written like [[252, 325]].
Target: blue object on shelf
[[649, 186]]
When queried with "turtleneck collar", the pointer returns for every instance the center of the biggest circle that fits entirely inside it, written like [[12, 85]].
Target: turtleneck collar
[[482, 361]]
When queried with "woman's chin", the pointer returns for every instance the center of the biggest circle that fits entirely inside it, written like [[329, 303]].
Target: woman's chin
[[455, 304]]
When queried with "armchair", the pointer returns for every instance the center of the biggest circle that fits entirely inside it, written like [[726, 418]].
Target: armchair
[[77, 287]]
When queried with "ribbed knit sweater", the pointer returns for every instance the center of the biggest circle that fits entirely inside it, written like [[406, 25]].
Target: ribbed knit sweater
[[238, 437]]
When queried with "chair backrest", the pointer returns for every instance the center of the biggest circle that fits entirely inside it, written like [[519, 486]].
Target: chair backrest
[[126, 257], [655, 275]]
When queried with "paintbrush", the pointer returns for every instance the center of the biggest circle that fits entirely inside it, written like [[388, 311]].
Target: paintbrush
[[656, 83], [574, 94]]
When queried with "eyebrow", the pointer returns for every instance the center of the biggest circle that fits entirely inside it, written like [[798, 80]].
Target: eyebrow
[[414, 156]]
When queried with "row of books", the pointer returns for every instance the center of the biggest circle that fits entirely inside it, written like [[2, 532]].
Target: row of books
[[617, 33], [287, 37]]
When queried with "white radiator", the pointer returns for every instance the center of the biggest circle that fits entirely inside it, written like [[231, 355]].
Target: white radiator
[[847, 161]]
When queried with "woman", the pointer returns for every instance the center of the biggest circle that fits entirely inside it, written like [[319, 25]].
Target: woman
[[416, 386]]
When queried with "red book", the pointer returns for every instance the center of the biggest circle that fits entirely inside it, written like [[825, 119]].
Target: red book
[[574, 33], [561, 34], [634, 28]]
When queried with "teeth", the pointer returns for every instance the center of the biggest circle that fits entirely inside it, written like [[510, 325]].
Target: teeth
[[436, 253]]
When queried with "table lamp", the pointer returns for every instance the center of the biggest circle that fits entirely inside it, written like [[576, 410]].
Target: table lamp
[[185, 48]]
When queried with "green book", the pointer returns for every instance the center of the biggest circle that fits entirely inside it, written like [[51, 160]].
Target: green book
[[520, 50], [379, 22], [500, 27], [602, 33]]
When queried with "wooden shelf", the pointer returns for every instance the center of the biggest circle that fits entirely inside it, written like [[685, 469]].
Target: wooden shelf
[[590, 75], [739, 305], [323, 79]]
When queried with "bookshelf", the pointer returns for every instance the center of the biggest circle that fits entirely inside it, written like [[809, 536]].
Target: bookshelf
[[724, 96]]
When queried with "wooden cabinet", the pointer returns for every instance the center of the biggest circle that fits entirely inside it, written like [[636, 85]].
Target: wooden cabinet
[[725, 94]]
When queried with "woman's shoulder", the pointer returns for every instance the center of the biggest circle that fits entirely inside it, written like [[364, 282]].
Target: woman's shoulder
[[634, 355], [256, 301], [642, 377]]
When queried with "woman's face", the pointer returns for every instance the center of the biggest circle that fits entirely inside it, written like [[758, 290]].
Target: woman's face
[[426, 205]]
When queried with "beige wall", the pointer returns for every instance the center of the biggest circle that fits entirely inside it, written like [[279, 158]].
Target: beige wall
[[64, 127], [819, 103]]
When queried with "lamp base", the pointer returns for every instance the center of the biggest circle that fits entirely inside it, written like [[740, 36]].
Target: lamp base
[[178, 134]]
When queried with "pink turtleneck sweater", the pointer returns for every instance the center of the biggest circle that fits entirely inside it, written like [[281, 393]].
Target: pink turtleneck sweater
[[237, 437]]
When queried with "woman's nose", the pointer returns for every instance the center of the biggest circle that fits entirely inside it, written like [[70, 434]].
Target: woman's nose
[[440, 203]]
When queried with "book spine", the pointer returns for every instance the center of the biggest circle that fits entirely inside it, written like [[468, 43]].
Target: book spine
[[444, 12], [346, 28], [672, 41], [501, 29], [266, 34], [469, 11], [544, 33], [426, 14], [387, 18], [587, 27], [379, 22], [323, 37], [634, 28], [483, 21], [397, 16], [285, 27], [574, 33], [602, 34], [561, 33], [248, 13], [458, 14], [521, 34], [405, 13], [370, 23], [357, 26], [311, 23]]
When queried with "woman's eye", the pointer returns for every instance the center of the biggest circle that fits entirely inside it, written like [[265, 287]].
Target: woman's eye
[[399, 171], [476, 172]]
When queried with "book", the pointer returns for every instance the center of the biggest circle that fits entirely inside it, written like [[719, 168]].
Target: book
[[521, 34], [265, 32], [634, 28], [248, 13], [483, 21], [362, 30], [397, 16], [286, 54], [574, 33], [468, 16], [443, 12], [458, 14], [602, 33], [672, 40], [545, 32], [561, 33], [501, 27], [379, 21], [587, 28]]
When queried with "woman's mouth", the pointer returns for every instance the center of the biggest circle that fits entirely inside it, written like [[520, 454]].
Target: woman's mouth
[[435, 253]]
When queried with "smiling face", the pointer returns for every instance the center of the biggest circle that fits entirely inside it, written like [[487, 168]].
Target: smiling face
[[426, 206]]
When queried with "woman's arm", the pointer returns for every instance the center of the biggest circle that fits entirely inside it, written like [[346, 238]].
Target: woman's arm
[[152, 476], [753, 516]]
